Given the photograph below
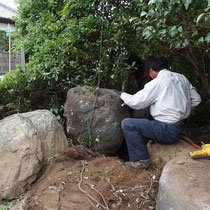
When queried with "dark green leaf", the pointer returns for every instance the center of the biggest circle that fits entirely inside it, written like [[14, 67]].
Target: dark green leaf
[[207, 38], [187, 3]]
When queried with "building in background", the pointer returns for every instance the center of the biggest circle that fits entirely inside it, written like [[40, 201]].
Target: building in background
[[6, 15]]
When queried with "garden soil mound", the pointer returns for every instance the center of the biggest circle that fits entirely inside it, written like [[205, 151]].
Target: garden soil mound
[[83, 180]]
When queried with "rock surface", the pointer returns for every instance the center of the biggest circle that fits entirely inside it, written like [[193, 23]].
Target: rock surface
[[26, 141], [1, 111], [20, 205], [163, 153], [95, 120], [184, 184]]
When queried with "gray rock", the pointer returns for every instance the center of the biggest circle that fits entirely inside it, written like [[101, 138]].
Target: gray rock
[[27, 140], [1, 111], [21, 205], [95, 119], [163, 153], [184, 184]]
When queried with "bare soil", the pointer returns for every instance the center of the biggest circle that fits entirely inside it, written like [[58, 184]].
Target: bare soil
[[82, 180]]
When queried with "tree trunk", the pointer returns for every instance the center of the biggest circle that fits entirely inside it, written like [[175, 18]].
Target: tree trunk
[[198, 67]]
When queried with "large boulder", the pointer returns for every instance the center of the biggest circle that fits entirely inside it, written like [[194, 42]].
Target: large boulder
[[1, 111], [184, 184], [94, 118], [26, 141]]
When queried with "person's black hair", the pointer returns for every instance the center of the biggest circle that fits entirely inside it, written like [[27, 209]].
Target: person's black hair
[[134, 58], [157, 63]]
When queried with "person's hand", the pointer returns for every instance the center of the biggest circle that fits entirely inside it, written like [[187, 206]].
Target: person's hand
[[118, 92]]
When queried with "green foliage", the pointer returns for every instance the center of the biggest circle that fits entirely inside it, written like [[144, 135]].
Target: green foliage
[[75, 42], [202, 144], [67, 44], [178, 29], [14, 89], [152, 175], [52, 159], [174, 24], [107, 174], [3, 207], [57, 110], [4, 41], [5, 203], [63, 40]]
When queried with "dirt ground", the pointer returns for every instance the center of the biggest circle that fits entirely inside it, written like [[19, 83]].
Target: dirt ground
[[83, 180], [80, 179]]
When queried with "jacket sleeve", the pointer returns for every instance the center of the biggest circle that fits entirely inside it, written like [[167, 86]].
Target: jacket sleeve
[[194, 96], [142, 98]]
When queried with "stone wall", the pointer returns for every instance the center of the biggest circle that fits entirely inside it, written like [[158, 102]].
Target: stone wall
[[4, 62]]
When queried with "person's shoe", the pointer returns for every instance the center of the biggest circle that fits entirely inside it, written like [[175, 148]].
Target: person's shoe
[[140, 164]]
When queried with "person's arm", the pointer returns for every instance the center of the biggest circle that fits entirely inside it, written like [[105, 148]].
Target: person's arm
[[194, 96], [142, 98]]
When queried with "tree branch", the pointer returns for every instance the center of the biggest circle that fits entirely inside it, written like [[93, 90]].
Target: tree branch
[[199, 69]]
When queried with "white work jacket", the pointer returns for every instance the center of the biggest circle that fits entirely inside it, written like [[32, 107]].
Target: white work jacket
[[170, 96]]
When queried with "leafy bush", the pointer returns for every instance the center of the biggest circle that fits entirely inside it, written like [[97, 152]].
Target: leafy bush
[[4, 41], [67, 44], [13, 89], [177, 28]]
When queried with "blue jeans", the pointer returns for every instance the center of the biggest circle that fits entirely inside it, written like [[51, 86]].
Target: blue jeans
[[138, 131]]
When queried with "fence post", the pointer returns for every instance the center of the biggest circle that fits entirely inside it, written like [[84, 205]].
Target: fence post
[[22, 58], [8, 32]]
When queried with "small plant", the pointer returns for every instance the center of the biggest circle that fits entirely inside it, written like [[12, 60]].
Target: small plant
[[6, 202], [3, 207], [107, 174], [70, 169], [94, 89], [52, 159], [21, 196], [202, 144], [57, 110], [152, 175]]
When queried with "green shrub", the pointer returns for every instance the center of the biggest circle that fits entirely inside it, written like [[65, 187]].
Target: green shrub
[[14, 89], [76, 42], [4, 41]]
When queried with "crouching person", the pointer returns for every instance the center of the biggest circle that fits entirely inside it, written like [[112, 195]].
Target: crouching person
[[171, 98]]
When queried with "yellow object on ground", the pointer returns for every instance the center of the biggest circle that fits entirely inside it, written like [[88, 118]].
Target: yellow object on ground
[[204, 152]]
